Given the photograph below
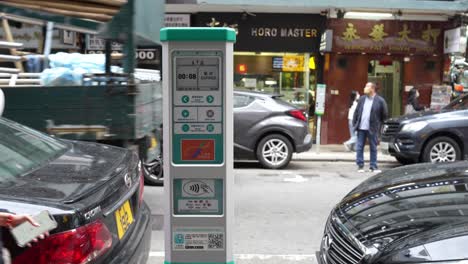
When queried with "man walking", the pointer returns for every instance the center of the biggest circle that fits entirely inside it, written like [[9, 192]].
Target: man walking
[[370, 113]]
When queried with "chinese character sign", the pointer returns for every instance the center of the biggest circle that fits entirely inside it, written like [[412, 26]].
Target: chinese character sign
[[388, 36]]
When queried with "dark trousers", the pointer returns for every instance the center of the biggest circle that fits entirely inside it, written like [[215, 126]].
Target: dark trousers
[[362, 136]]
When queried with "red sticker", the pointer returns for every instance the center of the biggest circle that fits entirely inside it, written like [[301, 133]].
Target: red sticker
[[198, 149]]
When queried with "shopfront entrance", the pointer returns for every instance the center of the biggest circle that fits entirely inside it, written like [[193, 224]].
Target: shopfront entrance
[[275, 53], [387, 75], [397, 55]]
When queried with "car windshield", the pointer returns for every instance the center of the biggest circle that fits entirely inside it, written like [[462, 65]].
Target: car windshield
[[23, 149], [458, 104]]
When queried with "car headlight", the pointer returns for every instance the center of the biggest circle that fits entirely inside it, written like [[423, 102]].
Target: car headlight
[[413, 127]]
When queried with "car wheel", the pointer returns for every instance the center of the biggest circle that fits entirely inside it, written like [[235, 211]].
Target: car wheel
[[153, 173], [442, 149], [405, 161], [274, 151]]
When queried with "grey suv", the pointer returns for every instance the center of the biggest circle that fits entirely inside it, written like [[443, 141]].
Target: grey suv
[[429, 136], [268, 129]]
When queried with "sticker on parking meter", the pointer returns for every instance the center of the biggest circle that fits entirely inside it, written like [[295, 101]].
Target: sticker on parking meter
[[198, 239], [198, 196], [198, 149]]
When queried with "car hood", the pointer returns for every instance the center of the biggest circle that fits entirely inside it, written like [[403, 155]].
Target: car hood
[[423, 116], [70, 177], [406, 206]]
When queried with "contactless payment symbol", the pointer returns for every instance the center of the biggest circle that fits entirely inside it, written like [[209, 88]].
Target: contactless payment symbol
[[185, 128], [185, 113], [185, 99], [198, 149], [210, 99]]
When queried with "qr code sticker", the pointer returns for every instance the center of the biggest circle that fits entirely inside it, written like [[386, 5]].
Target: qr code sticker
[[216, 241]]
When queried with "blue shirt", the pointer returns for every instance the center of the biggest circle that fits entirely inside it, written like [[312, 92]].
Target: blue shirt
[[366, 112]]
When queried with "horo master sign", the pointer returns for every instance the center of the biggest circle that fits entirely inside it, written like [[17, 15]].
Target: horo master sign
[[198, 144]]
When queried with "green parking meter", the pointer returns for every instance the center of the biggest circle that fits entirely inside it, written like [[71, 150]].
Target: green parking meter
[[198, 144]]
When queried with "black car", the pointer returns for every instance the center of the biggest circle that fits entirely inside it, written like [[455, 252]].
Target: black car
[[268, 129], [431, 136], [415, 214], [94, 192]]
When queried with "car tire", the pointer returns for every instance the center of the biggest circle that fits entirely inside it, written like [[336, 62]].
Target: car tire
[[405, 161], [153, 173], [442, 149], [274, 151]]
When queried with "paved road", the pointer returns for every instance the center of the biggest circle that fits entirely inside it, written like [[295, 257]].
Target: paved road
[[279, 214]]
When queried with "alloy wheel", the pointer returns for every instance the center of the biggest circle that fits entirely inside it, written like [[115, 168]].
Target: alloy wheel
[[275, 151], [443, 152]]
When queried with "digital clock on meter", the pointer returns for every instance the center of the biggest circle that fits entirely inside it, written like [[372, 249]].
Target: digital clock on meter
[[183, 76]]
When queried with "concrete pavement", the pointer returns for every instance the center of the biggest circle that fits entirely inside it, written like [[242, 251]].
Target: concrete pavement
[[338, 153]]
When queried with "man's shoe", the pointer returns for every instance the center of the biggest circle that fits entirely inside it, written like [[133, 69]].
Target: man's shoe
[[361, 169], [375, 170]]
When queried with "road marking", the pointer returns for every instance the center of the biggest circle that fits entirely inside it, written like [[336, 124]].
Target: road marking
[[297, 179], [292, 257]]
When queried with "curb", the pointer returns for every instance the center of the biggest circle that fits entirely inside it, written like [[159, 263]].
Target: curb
[[343, 160]]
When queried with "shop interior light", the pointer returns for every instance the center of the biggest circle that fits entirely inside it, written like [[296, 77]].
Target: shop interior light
[[242, 68], [368, 15]]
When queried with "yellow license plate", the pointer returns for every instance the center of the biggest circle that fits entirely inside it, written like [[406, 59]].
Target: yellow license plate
[[123, 218]]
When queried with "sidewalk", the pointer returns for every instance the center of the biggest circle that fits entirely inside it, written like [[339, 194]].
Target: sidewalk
[[338, 153]]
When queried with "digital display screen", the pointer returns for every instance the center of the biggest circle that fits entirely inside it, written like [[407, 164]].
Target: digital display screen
[[277, 63], [197, 74]]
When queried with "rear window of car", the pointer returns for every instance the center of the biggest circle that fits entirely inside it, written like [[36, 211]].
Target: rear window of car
[[242, 100], [23, 149]]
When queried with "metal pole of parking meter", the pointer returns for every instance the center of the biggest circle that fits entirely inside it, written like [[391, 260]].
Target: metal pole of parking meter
[[319, 111], [198, 144]]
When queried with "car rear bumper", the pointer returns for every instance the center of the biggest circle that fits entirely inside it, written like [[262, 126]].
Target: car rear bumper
[[139, 244], [306, 144]]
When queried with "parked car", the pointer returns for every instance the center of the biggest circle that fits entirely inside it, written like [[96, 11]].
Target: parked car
[[94, 192], [413, 214], [268, 129], [433, 136]]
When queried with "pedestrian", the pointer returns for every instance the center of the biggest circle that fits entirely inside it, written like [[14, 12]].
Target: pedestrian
[[9, 220], [350, 145], [413, 105], [370, 113]]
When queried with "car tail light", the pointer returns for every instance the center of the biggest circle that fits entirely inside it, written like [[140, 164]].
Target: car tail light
[[298, 114], [77, 246], [142, 186]]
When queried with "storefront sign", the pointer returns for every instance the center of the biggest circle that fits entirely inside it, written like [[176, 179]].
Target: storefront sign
[[177, 20], [95, 43], [326, 41], [389, 36], [269, 32], [455, 40], [31, 36]]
